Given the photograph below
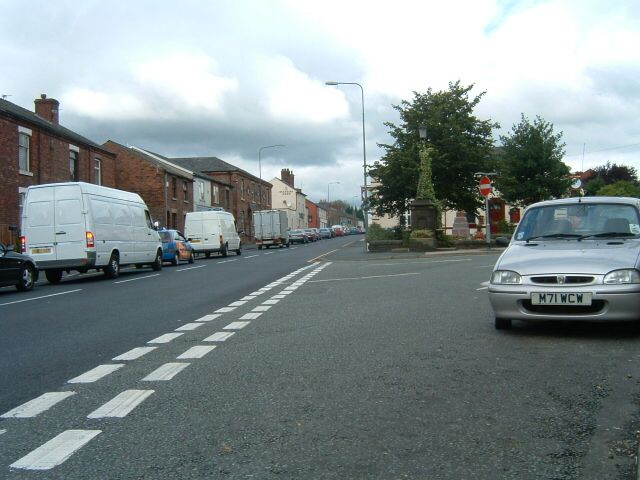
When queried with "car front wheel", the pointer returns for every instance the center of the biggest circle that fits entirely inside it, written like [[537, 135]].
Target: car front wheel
[[27, 278], [502, 323], [156, 266]]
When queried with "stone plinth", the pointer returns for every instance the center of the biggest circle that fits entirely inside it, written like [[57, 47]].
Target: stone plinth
[[423, 215]]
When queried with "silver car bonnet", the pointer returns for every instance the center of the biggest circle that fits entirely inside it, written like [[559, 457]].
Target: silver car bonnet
[[562, 256]]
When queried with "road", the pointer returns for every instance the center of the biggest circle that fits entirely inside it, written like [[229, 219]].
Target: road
[[353, 367]]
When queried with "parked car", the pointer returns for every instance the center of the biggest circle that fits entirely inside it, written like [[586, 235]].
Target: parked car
[[17, 269], [212, 231], [570, 259], [298, 236], [325, 233], [175, 247], [311, 233], [338, 230]]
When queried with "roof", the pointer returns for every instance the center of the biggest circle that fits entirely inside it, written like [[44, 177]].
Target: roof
[[13, 110], [156, 160], [209, 164]]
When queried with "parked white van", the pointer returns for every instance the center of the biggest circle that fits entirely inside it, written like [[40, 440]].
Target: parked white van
[[212, 231], [79, 226]]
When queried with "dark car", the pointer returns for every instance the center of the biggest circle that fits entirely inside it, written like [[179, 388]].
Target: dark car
[[311, 233], [175, 247], [298, 236], [17, 269]]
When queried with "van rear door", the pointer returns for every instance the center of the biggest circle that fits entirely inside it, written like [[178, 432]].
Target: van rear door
[[38, 224], [70, 232]]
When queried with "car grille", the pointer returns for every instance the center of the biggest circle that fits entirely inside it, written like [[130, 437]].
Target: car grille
[[595, 307], [562, 279]]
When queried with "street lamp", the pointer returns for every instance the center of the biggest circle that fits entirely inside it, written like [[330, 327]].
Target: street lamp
[[355, 217], [364, 152], [260, 169], [330, 183]]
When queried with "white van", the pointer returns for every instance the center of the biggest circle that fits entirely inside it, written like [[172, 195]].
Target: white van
[[212, 231], [79, 226]]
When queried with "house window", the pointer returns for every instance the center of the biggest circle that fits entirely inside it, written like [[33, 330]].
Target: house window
[[73, 165], [98, 169], [174, 188], [201, 191], [216, 194], [24, 150], [242, 189], [227, 198]]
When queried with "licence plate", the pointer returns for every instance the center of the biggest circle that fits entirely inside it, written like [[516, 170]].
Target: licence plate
[[40, 250], [565, 298], [195, 240]]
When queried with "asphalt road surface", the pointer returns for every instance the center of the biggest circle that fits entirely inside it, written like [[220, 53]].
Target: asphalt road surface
[[276, 366]]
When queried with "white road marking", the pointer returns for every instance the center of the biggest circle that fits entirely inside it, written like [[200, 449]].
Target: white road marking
[[228, 261], [252, 256], [56, 450], [267, 253], [287, 292], [239, 303], [40, 298], [256, 294], [225, 310], [3, 431], [236, 325], [365, 278], [38, 405], [166, 338], [138, 278], [189, 268], [279, 296], [122, 404], [134, 353], [188, 327], [323, 255], [219, 337], [271, 301], [248, 297], [165, 372], [250, 316], [96, 374], [261, 308], [208, 318], [198, 351]]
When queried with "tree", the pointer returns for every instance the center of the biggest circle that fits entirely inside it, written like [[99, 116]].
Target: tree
[[609, 174], [530, 165], [460, 145], [621, 188]]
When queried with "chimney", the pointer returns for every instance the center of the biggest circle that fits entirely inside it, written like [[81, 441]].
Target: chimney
[[287, 177], [47, 108]]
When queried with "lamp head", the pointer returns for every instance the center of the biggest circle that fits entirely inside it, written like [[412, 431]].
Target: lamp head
[[422, 130], [331, 83]]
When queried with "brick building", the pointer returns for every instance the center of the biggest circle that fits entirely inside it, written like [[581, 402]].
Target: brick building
[[166, 188], [243, 192], [36, 149], [313, 214]]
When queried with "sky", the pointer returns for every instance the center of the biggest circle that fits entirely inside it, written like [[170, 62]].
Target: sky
[[227, 78]]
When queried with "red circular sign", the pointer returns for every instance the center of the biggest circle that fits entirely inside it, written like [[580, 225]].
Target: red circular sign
[[485, 186]]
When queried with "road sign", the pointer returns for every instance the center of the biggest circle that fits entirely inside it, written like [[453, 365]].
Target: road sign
[[485, 186]]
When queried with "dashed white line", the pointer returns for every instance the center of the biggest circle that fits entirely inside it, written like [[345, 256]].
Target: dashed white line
[[198, 351], [56, 450], [219, 337], [239, 303], [122, 404], [248, 298], [225, 310], [38, 405], [271, 301], [138, 278], [96, 374], [188, 327], [364, 278], [166, 338], [40, 298], [236, 325], [261, 308], [252, 256], [190, 268], [165, 372], [208, 318], [250, 316], [279, 296], [134, 353], [3, 431]]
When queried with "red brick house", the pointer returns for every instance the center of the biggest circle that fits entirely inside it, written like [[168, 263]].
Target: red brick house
[[36, 149], [314, 214], [247, 195], [166, 188]]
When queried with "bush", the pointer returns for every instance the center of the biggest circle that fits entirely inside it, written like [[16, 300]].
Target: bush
[[376, 232], [504, 227], [446, 241], [422, 233]]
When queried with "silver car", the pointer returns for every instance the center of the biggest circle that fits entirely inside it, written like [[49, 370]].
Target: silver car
[[571, 259]]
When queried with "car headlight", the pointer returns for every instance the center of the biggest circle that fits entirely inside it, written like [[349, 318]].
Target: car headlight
[[506, 277], [619, 277]]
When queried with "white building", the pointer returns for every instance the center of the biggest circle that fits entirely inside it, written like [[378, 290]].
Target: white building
[[284, 196]]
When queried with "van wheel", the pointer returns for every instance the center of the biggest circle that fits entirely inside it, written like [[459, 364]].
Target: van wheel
[[288, 244], [53, 276], [223, 250], [112, 270], [26, 281], [208, 254], [176, 260], [259, 247], [192, 258], [156, 266], [239, 250]]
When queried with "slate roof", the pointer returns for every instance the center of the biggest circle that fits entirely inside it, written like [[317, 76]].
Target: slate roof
[[22, 114], [208, 164], [160, 162]]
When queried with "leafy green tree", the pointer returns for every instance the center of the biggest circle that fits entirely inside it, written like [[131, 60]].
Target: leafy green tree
[[460, 145], [530, 165], [592, 186], [609, 174], [621, 188]]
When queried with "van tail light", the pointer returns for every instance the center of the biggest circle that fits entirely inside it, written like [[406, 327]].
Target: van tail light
[[221, 240], [23, 244], [90, 240]]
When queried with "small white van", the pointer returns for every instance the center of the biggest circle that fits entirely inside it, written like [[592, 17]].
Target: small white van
[[212, 231], [80, 226]]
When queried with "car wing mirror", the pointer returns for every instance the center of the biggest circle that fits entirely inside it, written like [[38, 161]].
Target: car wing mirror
[[503, 241]]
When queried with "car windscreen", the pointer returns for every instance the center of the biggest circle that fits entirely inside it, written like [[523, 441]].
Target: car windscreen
[[165, 237], [579, 220]]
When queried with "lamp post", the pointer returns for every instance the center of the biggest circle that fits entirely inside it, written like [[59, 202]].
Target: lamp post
[[355, 217], [364, 152], [330, 183], [260, 169]]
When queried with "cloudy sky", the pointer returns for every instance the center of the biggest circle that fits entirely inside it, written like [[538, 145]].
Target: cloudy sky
[[225, 78]]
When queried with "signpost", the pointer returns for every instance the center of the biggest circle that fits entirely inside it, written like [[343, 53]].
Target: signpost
[[485, 189]]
